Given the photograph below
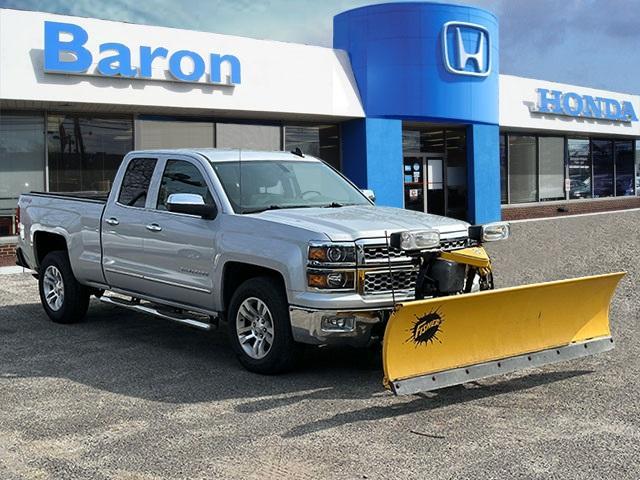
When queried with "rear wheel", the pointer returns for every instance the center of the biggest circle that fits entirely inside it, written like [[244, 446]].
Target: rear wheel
[[63, 298], [260, 327]]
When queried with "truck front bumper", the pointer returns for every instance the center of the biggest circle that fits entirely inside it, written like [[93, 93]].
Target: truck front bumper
[[332, 327]]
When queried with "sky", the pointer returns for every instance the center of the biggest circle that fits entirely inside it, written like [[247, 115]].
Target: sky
[[594, 43]]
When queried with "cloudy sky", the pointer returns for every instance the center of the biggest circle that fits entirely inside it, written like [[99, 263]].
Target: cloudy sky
[[587, 42]]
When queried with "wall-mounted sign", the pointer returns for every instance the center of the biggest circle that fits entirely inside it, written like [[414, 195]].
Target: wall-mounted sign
[[573, 104], [466, 49], [70, 55]]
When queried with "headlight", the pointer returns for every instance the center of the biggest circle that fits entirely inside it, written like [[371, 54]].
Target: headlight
[[490, 232], [416, 240], [331, 279], [332, 253]]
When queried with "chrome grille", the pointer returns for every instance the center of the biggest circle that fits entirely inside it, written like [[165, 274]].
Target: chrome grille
[[381, 254], [376, 253], [454, 243], [379, 282]]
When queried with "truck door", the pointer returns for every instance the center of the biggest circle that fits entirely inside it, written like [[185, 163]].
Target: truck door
[[179, 249], [123, 227]]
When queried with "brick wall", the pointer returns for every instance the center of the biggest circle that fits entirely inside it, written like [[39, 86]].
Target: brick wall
[[7, 255], [558, 209]]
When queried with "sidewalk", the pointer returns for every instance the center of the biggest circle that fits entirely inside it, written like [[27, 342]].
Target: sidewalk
[[13, 270]]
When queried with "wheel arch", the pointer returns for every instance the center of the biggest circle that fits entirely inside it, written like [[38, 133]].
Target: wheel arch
[[235, 273], [45, 242]]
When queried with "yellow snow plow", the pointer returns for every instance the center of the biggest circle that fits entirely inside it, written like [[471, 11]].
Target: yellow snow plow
[[460, 329], [444, 341]]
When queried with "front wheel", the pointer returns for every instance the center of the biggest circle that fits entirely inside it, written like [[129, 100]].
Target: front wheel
[[63, 298], [260, 327]]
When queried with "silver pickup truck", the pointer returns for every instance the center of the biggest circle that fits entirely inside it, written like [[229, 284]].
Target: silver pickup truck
[[280, 245]]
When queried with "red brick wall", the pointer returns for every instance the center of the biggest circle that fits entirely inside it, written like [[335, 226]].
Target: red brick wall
[[569, 208], [7, 255]]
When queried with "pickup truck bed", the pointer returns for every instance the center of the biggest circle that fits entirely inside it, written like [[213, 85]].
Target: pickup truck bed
[[89, 195], [75, 216]]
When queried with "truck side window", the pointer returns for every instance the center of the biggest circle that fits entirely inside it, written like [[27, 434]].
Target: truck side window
[[182, 177], [135, 183]]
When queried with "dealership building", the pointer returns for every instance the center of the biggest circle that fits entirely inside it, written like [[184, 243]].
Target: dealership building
[[409, 102]]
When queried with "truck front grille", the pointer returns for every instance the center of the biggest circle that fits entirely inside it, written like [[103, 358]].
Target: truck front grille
[[383, 282], [381, 254], [455, 243], [378, 253]]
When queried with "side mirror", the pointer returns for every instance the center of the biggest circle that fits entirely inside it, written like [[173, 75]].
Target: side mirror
[[369, 194], [191, 204]]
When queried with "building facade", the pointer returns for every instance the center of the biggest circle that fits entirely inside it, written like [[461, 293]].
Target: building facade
[[409, 103]]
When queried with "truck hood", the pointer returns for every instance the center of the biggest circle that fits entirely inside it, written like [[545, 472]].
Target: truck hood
[[363, 221]]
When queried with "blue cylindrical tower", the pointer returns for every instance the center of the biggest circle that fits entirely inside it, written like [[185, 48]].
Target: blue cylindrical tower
[[422, 62]]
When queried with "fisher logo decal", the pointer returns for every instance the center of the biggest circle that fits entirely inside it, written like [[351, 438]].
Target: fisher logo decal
[[426, 328]]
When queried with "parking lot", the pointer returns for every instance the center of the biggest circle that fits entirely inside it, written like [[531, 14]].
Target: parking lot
[[126, 396]]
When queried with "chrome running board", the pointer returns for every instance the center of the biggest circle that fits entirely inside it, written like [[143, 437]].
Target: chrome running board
[[178, 318]]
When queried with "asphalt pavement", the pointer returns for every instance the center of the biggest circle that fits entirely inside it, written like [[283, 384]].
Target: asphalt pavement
[[131, 397]]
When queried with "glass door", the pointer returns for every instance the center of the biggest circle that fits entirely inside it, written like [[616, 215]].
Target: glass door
[[435, 184], [424, 183]]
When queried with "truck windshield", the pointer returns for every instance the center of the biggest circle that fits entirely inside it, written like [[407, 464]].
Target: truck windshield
[[258, 185]]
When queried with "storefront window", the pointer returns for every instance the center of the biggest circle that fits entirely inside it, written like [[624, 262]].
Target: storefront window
[[504, 182], [248, 136], [85, 152], [160, 134], [551, 150], [21, 163], [523, 169], [602, 156], [579, 168], [410, 140], [625, 159], [432, 141], [322, 141], [637, 167], [596, 168]]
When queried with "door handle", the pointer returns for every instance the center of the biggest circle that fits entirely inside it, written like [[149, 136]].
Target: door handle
[[154, 227], [112, 221]]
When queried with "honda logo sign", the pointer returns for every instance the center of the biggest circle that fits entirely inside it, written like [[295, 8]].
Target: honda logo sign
[[466, 49]]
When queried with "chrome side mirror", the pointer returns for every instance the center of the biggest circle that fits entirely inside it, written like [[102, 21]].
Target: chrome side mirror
[[191, 204], [369, 194]]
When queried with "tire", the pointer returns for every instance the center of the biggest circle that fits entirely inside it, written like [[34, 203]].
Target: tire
[[264, 296], [68, 300]]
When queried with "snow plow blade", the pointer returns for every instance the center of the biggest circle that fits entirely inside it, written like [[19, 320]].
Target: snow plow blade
[[436, 343]]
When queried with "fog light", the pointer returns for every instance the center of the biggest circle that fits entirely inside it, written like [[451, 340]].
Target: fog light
[[335, 323], [336, 280]]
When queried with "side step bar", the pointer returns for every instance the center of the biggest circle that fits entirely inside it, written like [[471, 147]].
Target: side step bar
[[191, 322]]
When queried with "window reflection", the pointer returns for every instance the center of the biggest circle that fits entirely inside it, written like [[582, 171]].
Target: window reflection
[[602, 155], [579, 168], [504, 181], [624, 157], [21, 163], [320, 141], [85, 152], [523, 170]]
